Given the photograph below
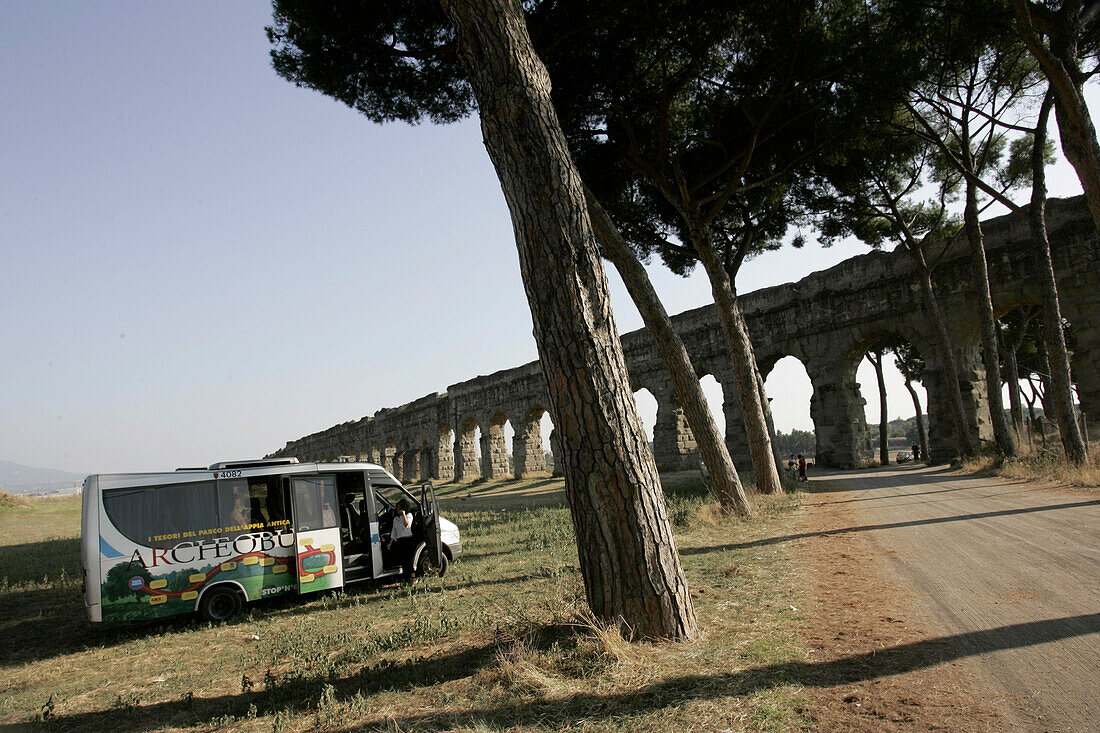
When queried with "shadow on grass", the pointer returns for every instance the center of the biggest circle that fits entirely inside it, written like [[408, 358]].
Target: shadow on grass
[[41, 609], [30, 562], [51, 622], [300, 694], [369, 593]]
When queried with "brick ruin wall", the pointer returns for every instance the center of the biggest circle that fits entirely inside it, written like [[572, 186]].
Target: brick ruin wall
[[827, 320]]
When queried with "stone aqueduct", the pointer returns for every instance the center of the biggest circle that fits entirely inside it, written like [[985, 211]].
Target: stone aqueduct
[[828, 320]]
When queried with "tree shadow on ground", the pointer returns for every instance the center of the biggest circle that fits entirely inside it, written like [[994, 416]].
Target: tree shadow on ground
[[41, 608], [893, 525], [885, 497], [369, 593], [43, 624], [51, 622], [863, 479], [301, 693], [33, 561]]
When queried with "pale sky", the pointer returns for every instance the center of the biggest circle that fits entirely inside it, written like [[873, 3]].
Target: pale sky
[[200, 261]]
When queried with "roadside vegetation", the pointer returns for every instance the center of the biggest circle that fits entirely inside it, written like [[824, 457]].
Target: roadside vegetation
[[503, 642], [10, 501], [1041, 465]]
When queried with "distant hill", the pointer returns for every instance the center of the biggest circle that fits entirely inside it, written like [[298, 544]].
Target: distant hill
[[19, 479]]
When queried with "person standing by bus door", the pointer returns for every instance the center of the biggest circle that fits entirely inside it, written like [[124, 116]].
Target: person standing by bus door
[[402, 543]]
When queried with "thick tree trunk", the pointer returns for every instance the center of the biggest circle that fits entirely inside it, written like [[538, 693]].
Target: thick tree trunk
[[1012, 376], [712, 446], [883, 427], [1031, 404], [947, 354], [1044, 390], [1061, 66], [769, 420], [629, 562], [1001, 433], [1080, 148], [1012, 368], [1060, 391], [736, 331], [922, 433]]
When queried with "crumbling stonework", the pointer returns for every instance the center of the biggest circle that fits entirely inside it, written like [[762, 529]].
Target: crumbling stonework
[[494, 450], [527, 452], [674, 447], [828, 320], [466, 447]]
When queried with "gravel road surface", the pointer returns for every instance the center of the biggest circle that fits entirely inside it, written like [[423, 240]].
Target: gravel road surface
[[1010, 575]]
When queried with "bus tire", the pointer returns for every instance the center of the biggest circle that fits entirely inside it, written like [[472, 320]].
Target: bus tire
[[219, 604], [425, 566]]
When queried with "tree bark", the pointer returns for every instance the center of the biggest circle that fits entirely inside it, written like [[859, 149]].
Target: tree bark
[[1012, 376], [712, 446], [1012, 370], [974, 236], [736, 331], [766, 407], [883, 428], [1061, 384], [1061, 66], [947, 354], [629, 562], [1046, 391], [1031, 403], [922, 433]]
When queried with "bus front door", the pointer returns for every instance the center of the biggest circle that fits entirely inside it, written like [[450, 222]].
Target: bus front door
[[317, 533], [432, 536]]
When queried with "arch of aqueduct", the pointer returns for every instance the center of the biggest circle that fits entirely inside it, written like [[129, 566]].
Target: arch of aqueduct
[[827, 320]]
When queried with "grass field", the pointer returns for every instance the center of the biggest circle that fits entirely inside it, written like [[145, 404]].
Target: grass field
[[503, 642]]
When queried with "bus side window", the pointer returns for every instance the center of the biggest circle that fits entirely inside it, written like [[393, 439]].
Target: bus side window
[[315, 504], [143, 513], [234, 504], [248, 502], [276, 509], [267, 499]]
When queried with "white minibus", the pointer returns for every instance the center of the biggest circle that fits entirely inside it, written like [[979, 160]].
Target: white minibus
[[209, 540]]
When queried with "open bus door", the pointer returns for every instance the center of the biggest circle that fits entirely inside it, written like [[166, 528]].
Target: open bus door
[[432, 537], [317, 533]]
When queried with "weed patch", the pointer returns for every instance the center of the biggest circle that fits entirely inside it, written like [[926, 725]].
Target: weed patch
[[1040, 464], [10, 501]]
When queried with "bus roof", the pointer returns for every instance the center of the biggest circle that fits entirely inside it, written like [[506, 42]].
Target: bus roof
[[183, 475]]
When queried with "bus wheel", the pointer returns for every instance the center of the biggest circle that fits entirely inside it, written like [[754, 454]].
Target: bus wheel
[[220, 604], [425, 566]]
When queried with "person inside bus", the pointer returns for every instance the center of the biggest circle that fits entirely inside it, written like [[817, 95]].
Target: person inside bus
[[256, 499], [349, 518], [238, 516], [402, 544]]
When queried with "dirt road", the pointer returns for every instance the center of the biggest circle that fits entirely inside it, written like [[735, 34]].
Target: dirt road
[[1007, 575]]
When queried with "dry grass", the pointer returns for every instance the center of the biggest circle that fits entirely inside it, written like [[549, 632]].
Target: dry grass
[[1042, 465], [503, 642], [10, 501]]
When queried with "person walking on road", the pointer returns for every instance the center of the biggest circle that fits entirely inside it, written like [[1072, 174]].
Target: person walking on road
[[801, 468]]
